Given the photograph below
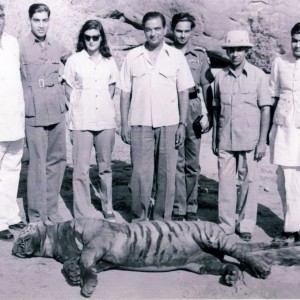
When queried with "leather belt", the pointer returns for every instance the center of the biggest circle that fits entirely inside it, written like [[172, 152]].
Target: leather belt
[[42, 83]]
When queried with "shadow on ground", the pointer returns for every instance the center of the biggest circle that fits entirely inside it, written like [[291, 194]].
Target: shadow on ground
[[267, 220]]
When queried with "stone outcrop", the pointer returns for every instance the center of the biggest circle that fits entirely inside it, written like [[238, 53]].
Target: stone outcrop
[[268, 22]]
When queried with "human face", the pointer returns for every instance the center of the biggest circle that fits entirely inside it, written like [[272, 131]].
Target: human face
[[237, 55], [40, 24], [154, 32], [92, 39], [2, 21], [296, 45], [182, 32]]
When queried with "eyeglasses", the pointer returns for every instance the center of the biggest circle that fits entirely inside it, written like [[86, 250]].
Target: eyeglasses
[[95, 38]]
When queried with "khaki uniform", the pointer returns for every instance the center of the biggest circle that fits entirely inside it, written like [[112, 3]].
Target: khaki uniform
[[44, 124], [240, 98], [188, 168]]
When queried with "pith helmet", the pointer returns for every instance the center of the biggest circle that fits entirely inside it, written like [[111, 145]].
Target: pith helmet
[[237, 38]]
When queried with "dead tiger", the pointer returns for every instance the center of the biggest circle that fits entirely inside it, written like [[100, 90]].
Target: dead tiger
[[87, 246]]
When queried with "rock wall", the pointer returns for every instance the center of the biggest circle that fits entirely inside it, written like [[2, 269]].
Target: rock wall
[[268, 21]]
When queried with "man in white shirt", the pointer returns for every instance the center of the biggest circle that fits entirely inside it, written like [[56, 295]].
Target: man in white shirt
[[154, 80], [11, 131]]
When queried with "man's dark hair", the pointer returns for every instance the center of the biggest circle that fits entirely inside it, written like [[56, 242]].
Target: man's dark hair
[[93, 24], [181, 17], [38, 7], [152, 15], [295, 29]]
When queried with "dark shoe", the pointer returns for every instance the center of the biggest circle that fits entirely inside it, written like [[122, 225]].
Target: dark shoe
[[285, 238], [109, 216], [6, 235], [177, 217], [191, 216], [18, 226], [245, 236]]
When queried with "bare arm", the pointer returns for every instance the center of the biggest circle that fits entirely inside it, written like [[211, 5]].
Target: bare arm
[[206, 121], [260, 150], [183, 100], [124, 108]]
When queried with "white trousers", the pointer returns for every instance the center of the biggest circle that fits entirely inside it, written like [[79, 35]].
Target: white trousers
[[288, 185], [10, 167]]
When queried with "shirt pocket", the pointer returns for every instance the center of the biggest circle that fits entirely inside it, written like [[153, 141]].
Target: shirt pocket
[[249, 96], [196, 70], [225, 96], [167, 84]]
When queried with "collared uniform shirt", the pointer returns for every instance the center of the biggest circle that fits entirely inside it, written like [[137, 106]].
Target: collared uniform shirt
[[154, 88], [12, 117], [240, 98], [285, 133], [40, 66], [91, 105], [199, 65]]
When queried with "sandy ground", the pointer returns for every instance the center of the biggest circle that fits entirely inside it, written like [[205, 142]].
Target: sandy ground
[[41, 278]]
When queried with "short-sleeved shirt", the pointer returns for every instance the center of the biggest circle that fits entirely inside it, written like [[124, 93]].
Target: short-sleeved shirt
[[12, 117], [44, 95], [91, 105], [154, 88], [240, 99]]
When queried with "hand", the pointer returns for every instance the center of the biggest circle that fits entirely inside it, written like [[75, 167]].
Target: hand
[[126, 134], [260, 151], [180, 136], [205, 123]]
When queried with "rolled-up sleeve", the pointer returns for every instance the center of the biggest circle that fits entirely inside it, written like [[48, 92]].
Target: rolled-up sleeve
[[264, 96], [274, 85], [185, 78], [125, 81]]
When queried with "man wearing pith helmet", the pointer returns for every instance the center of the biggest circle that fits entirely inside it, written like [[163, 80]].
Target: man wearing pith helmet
[[241, 120]]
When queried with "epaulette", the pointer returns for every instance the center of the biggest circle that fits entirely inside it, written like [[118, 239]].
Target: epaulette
[[204, 51]]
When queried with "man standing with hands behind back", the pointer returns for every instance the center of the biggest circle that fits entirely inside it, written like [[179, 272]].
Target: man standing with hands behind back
[[45, 115], [154, 80], [188, 168]]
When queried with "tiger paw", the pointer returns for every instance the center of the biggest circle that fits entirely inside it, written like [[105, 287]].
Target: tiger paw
[[89, 287], [72, 271], [230, 274], [260, 266]]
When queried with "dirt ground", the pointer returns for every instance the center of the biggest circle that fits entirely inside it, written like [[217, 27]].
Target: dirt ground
[[41, 278]]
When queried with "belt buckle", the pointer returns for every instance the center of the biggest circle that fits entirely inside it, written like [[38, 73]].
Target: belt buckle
[[41, 83]]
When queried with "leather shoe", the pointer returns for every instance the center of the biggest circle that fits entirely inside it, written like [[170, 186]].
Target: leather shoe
[[6, 235], [245, 236], [18, 226]]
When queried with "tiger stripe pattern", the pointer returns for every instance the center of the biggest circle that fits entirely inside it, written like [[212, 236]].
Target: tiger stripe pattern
[[87, 246]]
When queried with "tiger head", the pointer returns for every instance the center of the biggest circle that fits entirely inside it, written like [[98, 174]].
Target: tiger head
[[30, 241]]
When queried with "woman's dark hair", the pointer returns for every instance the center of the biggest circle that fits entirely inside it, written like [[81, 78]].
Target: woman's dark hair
[[38, 7], [93, 24], [183, 17], [295, 29]]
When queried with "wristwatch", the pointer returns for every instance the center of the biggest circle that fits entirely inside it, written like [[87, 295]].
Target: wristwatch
[[183, 123]]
